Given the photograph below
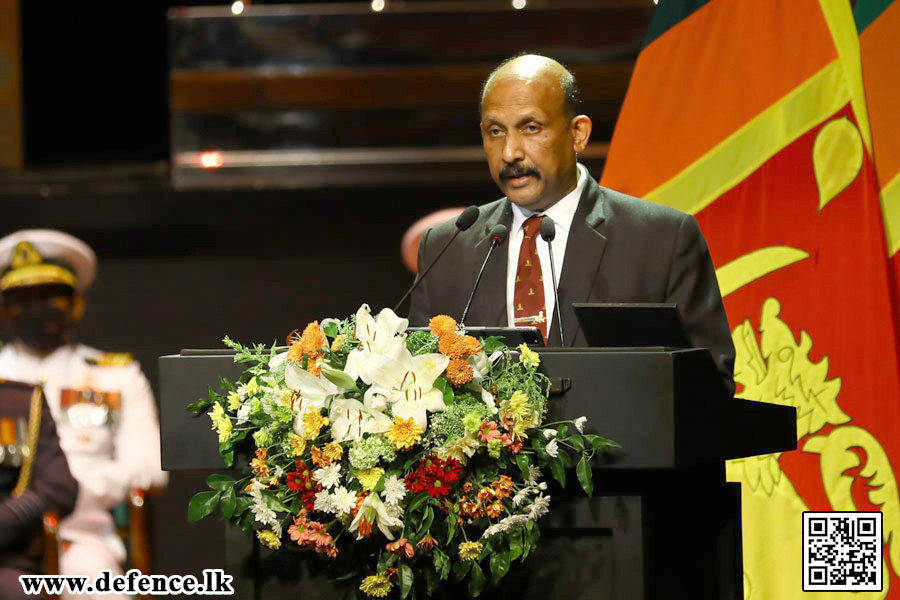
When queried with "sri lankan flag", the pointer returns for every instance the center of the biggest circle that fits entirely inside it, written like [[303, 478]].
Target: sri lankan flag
[[878, 22], [751, 115]]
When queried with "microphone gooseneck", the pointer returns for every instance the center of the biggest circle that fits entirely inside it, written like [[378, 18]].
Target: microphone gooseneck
[[498, 236], [548, 232], [463, 222]]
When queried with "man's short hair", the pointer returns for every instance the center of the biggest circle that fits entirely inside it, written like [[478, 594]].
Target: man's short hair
[[571, 93]]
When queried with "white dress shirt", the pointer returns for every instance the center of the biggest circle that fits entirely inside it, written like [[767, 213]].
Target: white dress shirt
[[562, 214]]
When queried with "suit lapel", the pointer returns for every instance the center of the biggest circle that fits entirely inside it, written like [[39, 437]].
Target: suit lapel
[[584, 251], [489, 304]]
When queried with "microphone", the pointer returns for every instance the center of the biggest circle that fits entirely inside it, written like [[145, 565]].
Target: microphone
[[463, 222], [498, 236], [548, 232]]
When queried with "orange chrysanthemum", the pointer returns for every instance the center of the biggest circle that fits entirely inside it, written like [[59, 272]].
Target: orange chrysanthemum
[[442, 325], [313, 339], [471, 345], [310, 344], [458, 372], [503, 486], [495, 509], [258, 465], [452, 345], [318, 457], [486, 495]]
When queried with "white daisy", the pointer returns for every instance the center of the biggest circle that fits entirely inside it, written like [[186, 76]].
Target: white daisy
[[394, 490], [343, 500], [549, 433], [552, 448], [539, 508], [579, 424], [324, 502], [329, 476]]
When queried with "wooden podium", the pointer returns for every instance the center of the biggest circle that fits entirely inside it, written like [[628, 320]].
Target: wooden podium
[[662, 523]]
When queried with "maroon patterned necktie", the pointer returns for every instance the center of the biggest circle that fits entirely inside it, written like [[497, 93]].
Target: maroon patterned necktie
[[528, 298]]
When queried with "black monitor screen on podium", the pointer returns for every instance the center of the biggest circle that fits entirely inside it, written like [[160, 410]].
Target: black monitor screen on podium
[[627, 325]]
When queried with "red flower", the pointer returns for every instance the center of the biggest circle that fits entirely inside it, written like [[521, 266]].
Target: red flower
[[438, 489]]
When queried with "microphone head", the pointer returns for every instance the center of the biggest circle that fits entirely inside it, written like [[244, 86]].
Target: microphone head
[[498, 233], [467, 218], [548, 229]]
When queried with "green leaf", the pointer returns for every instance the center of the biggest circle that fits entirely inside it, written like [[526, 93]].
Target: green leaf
[[566, 459], [386, 560], [476, 581], [600, 443], [274, 503], [202, 504], [406, 580], [228, 457], [199, 406], [558, 470], [515, 545], [441, 564], [220, 482], [228, 502], [427, 520], [577, 441], [461, 568], [446, 388], [499, 564], [330, 327], [432, 581], [562, 430], [417, 502], [242, 504], [339, 378], [585, 475], [524, 462]]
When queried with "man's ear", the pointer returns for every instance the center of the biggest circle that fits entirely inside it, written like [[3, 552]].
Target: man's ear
[[581, 132], [78, 306]]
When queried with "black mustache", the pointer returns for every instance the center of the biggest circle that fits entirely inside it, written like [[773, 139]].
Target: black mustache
[[511, 171]]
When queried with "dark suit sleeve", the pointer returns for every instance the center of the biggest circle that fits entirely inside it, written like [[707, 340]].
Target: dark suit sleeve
[[52, 487], [694, 288], [420, 305]]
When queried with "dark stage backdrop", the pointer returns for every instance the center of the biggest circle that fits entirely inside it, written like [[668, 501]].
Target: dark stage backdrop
[[182, 269]]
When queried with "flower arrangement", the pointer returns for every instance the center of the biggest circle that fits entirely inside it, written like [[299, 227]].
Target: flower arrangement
[[415, 456]]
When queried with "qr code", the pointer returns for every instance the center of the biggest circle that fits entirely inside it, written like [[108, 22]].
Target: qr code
[[842, 551]]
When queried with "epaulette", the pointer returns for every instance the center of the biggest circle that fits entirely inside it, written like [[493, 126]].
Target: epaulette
[[111, 359]]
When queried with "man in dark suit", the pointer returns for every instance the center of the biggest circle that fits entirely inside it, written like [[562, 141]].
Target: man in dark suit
[[609, 247], [34, 479]]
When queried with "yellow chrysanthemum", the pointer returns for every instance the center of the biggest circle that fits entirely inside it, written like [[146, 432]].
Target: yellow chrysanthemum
[[313, 422], [469, 550], [338, 343], [333, 450], [404, 433], [252, 387], [220, 422], [268, 539], [298, 444], [234, 401], [376, 586], [529, 357], [369, 478], [518, 405]]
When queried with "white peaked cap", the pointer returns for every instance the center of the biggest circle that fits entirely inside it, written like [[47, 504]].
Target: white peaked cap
[[54, 247]]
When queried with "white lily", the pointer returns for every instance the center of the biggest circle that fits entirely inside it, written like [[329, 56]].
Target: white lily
[[378, 337], [350, 419], [480, 364], [316, 392], [407, 383], [374, 511]]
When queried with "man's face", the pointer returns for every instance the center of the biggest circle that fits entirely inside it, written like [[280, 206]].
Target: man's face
[[529, 141], [41, 316]]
